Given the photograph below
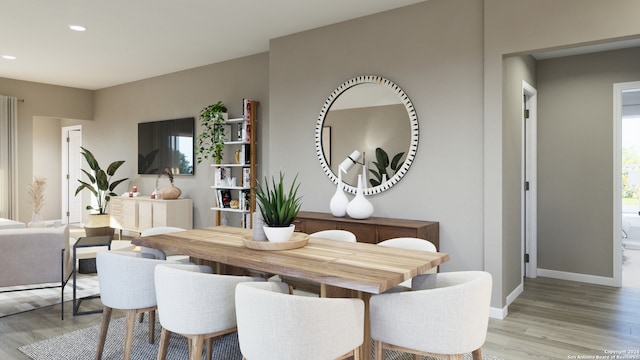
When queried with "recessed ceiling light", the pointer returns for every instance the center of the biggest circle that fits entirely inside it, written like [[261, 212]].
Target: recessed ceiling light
[[77, 28], [8, 57]]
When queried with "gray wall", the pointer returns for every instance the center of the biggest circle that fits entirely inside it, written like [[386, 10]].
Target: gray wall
[[575, 158], [433, 51], [447, 55]]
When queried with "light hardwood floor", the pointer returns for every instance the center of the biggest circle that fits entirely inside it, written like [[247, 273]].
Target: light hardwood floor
[[552, 319]]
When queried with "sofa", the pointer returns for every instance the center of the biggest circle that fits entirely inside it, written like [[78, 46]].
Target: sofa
[[35, 256]]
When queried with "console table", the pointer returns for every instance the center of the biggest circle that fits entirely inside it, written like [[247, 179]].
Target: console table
[[137, 214], [372, 230]]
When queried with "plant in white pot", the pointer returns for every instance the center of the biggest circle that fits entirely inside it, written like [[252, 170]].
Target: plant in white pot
[[102, 188], [278, 207]]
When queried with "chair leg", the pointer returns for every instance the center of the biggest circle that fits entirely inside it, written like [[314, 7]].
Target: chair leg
[[141, 317], [379, 350], [152, 326], [477, 354], [356, 353], [165, 336], [196, 347], [209, 344], [106, 318], [416, 357], [128, 341]]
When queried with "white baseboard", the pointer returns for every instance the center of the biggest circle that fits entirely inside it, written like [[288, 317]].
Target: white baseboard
[[589, 279], [500, 314]]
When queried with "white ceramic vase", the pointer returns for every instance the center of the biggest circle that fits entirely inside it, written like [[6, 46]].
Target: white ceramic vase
[[339, 201], [359, 207], [278, 234]]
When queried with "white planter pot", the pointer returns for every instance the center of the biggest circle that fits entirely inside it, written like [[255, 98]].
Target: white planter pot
[[279, 234]]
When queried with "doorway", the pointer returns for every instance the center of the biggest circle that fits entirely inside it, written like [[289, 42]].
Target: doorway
[[626, 258], [529, 182], [71, 172]]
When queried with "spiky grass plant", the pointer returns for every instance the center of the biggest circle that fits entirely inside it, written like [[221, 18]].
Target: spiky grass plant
[[278, 207]]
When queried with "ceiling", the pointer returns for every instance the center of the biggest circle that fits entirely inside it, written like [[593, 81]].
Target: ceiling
[[132, 40]]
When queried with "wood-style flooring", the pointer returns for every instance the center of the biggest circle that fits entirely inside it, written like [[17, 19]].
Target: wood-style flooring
[[551, 319]]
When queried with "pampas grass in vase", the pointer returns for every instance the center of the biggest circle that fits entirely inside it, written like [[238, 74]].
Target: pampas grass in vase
[[36, 197]]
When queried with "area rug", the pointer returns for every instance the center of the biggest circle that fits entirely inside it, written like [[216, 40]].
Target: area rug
[[15, 302], [81, 344]]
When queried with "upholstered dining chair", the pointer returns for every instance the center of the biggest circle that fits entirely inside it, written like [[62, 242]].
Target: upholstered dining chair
[[273, 324], [157, 253], [126, 283], [411, 244], [445, 315], [312, 287], [196, 305]]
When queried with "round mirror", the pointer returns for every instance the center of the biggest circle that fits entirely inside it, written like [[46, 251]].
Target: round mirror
[[368, 127]]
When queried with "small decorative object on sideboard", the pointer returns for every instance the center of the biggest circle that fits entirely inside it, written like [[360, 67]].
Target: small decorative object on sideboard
[[278, 208], [339, 201], [360, 207], [170, 192]]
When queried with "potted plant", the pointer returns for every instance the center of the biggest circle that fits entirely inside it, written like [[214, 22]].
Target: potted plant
[[381, 163], [102, 188], [278, 207], [210, 142]]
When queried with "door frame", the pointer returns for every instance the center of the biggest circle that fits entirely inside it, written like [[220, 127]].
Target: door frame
[[529, 204], [618, 88], [66, 194]]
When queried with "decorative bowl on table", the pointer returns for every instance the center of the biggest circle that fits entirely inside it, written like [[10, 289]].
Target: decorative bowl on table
[[297, 240]]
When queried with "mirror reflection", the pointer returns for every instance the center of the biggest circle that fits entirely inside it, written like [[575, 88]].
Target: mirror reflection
[[368, 126]]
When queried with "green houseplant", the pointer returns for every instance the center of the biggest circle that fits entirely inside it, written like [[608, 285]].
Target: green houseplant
[[381, 163], [210, 142], [278, 206], [101, 187]]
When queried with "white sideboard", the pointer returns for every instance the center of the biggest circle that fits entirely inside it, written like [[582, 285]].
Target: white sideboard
[[137, 214]]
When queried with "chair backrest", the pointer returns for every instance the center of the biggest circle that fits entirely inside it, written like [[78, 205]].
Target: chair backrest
[[338, 235], [445, 313], [411, 244], [152, 253], [194, 302], [126, 279], [275, 325]]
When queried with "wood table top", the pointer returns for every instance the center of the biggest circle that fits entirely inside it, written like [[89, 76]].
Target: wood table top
[[356, 266]]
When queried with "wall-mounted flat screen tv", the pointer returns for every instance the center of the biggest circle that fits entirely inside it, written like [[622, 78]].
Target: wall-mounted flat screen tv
[[166, 143]]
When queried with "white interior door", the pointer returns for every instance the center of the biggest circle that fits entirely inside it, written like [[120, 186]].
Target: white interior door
[[71, 165], [529, 188]]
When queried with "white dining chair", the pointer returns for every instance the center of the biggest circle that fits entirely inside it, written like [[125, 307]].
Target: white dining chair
[[157, 253], [411, 244], [273, 324], [444, 315], [313, 287], [126, 283], [195, 305]]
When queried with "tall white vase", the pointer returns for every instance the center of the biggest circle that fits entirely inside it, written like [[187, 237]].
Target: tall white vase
[[360, 207], [339, 201]]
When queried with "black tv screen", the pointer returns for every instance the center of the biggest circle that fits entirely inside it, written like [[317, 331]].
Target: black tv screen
[[166, 143]]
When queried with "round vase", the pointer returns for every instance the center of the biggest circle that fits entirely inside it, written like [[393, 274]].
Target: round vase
[[360, 207], [170, 192], [278, 233], [339, 201]]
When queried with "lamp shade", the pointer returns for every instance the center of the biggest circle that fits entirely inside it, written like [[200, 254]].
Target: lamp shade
[[349, 161]]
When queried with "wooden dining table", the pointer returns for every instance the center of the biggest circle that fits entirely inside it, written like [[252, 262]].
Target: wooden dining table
[[343, 269]]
